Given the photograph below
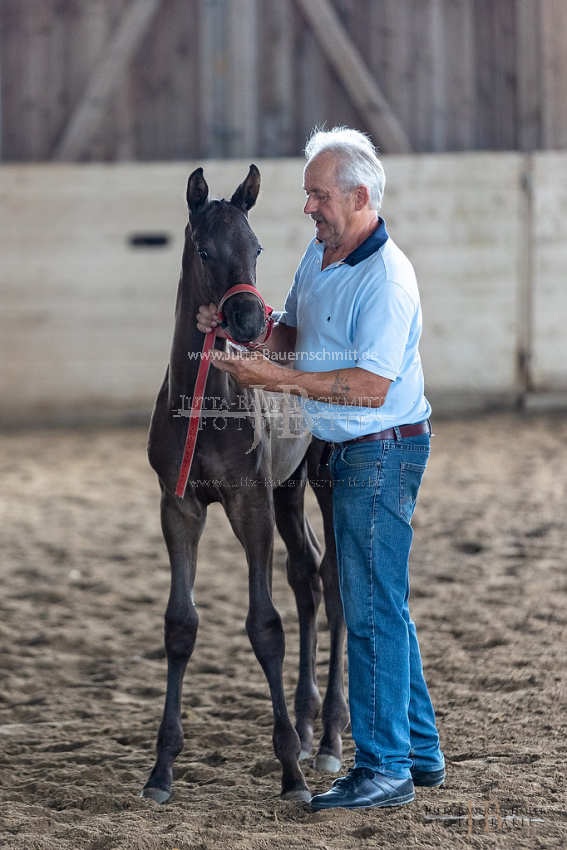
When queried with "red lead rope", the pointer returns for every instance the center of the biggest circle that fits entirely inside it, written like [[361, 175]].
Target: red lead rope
[[197, 404], [195, 414]]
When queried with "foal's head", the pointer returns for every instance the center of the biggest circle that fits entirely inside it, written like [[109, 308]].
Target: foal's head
[[228, 249]]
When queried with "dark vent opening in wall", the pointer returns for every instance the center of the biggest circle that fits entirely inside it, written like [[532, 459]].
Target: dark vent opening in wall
[[149, 240]]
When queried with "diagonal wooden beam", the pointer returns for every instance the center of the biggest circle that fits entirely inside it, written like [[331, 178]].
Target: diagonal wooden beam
[[344, 57], [105, 79]]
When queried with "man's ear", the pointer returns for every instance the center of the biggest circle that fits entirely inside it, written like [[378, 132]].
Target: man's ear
[[361, 197]]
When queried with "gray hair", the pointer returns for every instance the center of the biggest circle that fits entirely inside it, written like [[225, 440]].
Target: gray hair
[[356, 158]]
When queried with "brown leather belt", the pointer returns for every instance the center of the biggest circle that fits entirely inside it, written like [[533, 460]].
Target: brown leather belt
[[394, 433], [389, 434]]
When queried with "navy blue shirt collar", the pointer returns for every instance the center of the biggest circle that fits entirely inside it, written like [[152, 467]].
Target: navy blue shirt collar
[[370, 245]]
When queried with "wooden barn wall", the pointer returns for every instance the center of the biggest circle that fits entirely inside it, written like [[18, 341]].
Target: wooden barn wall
[[241, 78]]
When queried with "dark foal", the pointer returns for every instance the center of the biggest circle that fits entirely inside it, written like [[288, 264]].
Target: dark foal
[[221, 251]]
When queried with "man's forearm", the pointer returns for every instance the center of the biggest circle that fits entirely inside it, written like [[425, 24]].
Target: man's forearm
[[353, 386]]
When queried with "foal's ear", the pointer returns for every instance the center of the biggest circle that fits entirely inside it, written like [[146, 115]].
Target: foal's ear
[[197, 192], [245, 196]]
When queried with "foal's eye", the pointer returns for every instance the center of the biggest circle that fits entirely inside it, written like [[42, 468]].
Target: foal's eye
[[204, 256], [259, 251]]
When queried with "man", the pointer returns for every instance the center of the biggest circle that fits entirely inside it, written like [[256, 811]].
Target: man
[[355, 301]]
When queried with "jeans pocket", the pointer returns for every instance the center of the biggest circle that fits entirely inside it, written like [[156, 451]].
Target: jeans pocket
[[355, 478], [361, 456], [410, 480]]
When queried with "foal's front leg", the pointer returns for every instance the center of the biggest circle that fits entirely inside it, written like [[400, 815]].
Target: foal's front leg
[[182, 525], [252, 519]]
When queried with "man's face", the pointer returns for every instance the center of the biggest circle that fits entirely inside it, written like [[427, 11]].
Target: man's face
[[332, 212]]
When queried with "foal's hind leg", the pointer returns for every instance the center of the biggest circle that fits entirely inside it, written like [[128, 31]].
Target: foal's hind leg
[[182, 525], [302, 566], [335, 714], [252, 519]]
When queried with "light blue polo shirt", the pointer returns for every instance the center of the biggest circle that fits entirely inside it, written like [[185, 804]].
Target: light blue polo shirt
[[361, 311]]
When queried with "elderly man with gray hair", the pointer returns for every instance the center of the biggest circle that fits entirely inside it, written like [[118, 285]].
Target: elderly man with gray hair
[[355, 301]]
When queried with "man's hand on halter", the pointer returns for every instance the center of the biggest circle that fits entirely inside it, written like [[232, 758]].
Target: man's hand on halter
[[250, 368], [208, 320]]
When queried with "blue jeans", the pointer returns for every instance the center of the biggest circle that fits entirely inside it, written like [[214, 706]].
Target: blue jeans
[[374, 495]]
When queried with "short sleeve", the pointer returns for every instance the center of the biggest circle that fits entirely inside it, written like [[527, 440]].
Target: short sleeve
[[289, 315], [383, 329]]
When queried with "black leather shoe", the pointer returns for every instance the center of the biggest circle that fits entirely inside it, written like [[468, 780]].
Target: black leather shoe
[[363, 788], [428, 778]]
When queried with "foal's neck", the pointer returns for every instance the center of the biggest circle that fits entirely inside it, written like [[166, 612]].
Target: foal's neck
[[187, 345]]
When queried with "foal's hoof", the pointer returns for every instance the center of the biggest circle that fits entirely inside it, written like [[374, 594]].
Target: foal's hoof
[[327, 763], [300, 795], [158, 795], [304, 755]]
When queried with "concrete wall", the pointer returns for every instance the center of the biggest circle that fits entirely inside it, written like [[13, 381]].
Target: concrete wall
[[460, 218], [549, 272], [86, 318]]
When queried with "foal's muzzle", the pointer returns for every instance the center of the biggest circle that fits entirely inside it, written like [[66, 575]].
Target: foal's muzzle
[[244, 315]]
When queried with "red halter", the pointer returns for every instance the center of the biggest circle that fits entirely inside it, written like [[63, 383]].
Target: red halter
[[197, 403]]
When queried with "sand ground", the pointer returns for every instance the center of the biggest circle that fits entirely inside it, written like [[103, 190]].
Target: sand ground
[[82, 670]]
